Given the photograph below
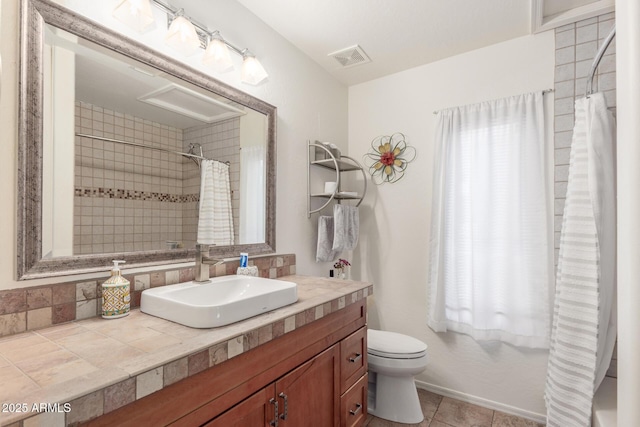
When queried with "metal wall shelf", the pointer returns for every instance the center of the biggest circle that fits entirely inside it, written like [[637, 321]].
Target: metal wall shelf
[[343, 166], [337, 164]]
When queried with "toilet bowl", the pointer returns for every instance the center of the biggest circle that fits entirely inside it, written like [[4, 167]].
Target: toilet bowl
[[393, 361]]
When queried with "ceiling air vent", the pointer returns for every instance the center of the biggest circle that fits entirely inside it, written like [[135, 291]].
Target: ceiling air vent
[[350, 56]]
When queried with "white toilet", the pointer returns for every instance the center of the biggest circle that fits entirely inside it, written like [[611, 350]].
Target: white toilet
[[394, 359]]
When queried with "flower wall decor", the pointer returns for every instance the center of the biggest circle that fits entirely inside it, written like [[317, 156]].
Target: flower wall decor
[[389, 158]]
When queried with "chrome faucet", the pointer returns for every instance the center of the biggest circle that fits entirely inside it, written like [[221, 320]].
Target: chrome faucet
[[203, 261]]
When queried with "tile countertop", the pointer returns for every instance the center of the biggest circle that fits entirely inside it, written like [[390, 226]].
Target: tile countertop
[[65, 362]]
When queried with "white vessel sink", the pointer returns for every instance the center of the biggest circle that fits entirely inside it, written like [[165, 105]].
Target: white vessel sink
[[224, 300]]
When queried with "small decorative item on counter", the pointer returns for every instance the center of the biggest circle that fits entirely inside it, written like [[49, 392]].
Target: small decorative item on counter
[[116, 298], [341, 268], [252, 270], [245, 269], [389, 158]]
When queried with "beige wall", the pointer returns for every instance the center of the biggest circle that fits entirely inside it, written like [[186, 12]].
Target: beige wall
[[395, 218]]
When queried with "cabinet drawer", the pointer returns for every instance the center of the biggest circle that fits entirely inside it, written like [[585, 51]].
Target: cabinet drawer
[[353, 355], [353, 404]]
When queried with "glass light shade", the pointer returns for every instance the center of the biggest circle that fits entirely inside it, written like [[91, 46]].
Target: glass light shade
[[252, 71], [182, 36], [217, 55], [135, 14]]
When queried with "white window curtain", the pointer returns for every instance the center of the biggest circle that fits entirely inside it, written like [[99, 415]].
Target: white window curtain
[[252, 194], [491, 253]]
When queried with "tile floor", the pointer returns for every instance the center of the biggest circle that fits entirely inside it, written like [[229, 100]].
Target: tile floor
[[442, 411]]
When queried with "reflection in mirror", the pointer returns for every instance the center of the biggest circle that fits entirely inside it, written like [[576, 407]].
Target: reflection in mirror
[[121, 197], [117, 135]]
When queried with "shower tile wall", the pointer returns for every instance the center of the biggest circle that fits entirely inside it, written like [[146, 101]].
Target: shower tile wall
[[576, 48], [126, 198], [220, 141]]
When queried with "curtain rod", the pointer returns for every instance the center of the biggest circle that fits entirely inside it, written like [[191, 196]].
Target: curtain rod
[[543, 92], [597, 59], [135, 144]]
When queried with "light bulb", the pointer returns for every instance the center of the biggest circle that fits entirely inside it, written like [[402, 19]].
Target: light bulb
[[217, 55], [252, 71], [136, 14], [182, 36]]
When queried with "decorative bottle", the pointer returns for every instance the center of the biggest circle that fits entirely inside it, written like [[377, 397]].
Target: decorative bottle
[[116, 296]]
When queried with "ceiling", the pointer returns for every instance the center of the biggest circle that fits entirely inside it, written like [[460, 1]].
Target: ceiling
[[115, 82], [399, 34]]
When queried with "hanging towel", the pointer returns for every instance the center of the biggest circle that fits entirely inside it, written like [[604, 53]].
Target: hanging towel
[[215, 223], [584, 321], [346, 227], [324, 252]]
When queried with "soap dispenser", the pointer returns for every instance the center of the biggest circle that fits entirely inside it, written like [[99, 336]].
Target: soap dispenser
[[115, 294]]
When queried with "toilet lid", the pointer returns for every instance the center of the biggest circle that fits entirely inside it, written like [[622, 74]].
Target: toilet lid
[[394, 345]]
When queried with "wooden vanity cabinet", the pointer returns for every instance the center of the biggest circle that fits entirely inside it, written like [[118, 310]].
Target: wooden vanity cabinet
[[316, 375], [307, 396]]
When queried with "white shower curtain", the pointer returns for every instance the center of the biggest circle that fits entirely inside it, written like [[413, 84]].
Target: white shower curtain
[[215, 222], [252, 195], [584, 318], [491, 253]]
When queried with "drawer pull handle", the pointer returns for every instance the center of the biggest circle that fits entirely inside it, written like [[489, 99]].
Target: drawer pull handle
[[274, 422], [286, 405], [355, 358], [358, 409]]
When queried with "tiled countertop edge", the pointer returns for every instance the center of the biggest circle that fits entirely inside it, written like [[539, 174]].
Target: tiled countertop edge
[[106, 390]]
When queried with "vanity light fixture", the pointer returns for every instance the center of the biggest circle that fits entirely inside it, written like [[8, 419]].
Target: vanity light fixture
[[252, 70], [217, 54], [136, 14], [186, 36], [182, 35]]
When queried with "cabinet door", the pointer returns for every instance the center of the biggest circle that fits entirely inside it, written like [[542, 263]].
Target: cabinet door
[[258, 410], [310, 395]]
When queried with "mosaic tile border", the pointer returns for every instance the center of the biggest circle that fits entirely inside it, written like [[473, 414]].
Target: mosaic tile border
[[38, 307], [119, 193], [113, 397]]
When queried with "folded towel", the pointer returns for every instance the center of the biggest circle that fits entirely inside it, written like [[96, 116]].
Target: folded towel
[[324, 252], [346, 227]]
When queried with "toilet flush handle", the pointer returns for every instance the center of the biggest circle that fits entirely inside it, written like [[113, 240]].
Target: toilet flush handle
[[357, 357]]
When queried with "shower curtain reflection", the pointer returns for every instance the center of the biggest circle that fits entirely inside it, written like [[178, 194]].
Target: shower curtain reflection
[[215, 222]]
